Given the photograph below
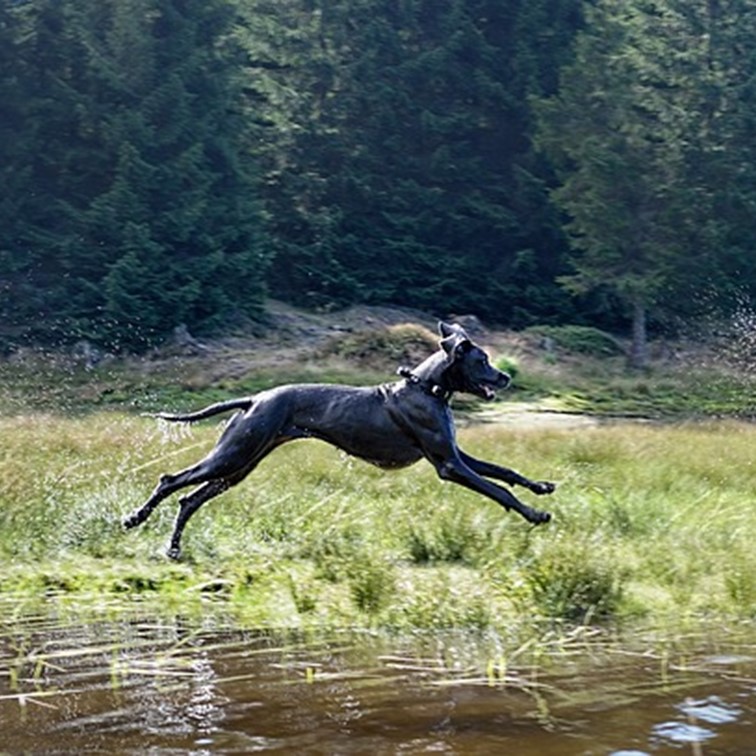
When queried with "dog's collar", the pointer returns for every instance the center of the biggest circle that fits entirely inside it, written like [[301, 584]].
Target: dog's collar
[[434, 389]]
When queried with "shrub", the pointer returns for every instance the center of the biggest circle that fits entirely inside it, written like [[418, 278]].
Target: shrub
[[304, 593], [449, 536], [575, 584], [371, 582], [740, 584], [579, 339], [404, 343], [334, 552], [440, 599]]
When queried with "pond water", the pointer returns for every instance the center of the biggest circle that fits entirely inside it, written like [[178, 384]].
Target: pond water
[[164, 687]]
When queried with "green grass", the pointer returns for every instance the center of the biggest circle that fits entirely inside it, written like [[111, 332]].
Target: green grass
[[578, 339], [577, 381], [605, 388], [652, 527], [50, 384]]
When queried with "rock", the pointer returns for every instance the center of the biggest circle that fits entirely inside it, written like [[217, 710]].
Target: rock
[[86, 353], [183, 341]]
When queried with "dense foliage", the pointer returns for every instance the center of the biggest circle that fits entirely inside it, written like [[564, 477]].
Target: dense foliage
[[647, 135], [132, 205], [548, 161]]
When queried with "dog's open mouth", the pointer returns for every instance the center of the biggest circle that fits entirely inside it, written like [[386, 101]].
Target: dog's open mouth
[[487, 392]]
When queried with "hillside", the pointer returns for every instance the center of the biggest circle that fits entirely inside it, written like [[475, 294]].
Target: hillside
[[565, 369]]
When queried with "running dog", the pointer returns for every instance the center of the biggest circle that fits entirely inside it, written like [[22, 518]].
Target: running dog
[[392, 426]]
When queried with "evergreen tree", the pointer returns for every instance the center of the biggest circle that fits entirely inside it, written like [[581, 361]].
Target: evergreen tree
[[725, 162], [14, 179], [631, 132], [294, 80], [409, 178], [148, 214], [36, 117]]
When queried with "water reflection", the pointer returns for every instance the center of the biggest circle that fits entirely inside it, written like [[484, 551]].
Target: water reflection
[[138, 686], [688, 728], [712, 709]]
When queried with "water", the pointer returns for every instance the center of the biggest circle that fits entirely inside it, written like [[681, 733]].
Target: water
[[141, 686]]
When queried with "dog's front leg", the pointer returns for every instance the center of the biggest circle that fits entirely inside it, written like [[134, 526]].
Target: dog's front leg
[[455, 470], [490, 470]]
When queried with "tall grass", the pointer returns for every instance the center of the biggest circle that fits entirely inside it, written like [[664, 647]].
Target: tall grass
[[652, 525]]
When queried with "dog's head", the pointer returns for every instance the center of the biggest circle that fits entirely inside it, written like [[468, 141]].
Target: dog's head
[[469, 368]]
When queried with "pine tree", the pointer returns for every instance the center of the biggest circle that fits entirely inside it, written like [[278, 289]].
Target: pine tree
[[41, 62], [147, 186], [408, 178], [626, 129], [15, 185], [722, 267]]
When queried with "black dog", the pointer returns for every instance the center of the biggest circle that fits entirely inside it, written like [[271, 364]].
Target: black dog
[[392, 426]]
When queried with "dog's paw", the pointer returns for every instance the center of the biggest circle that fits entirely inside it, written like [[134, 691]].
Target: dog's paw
[[542, 487], [541, 518], [130, 521]]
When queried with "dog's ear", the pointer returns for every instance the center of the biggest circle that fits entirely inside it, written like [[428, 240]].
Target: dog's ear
[[447, 344], [451, 329], [455, 341], [445, 329]]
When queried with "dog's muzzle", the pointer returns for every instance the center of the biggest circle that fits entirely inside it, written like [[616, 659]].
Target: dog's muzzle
[[488, 389]]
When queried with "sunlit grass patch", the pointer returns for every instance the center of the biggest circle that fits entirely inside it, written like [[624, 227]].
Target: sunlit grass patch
[[448, 597]]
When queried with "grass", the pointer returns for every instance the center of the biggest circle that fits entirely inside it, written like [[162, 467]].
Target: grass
[[605, 388], [652, 527], [583, 378]]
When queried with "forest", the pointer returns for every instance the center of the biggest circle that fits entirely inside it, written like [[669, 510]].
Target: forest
[[167, 162]]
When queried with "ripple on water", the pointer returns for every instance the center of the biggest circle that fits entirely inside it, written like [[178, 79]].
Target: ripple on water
[[712, 710], [682, 732]]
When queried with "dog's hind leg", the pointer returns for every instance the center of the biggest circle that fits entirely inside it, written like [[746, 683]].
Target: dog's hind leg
[[189, 504], [167, 485], [214, 466], [247, 438], [138, 516]]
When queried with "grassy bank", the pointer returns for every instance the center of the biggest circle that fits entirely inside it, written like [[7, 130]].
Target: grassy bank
[[652, 526], [567, 369]]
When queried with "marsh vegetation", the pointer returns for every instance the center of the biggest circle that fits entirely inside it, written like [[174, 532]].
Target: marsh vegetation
[[652, 518], [653, 525]]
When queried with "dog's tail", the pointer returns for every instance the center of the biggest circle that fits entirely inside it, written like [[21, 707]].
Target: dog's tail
[[213, 409]]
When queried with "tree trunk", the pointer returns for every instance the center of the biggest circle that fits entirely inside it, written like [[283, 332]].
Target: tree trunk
[[638, 358]]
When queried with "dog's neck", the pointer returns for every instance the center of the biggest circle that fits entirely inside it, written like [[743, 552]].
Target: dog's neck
[[430, 376]]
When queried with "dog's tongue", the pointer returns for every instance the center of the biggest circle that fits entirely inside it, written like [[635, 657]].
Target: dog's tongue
[[489, 393]]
